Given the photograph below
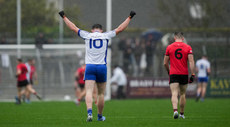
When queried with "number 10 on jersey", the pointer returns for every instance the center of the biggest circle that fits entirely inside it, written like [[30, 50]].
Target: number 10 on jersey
[[96, 43]]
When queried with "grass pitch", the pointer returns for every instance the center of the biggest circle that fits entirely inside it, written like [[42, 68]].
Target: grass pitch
[[119, 113]]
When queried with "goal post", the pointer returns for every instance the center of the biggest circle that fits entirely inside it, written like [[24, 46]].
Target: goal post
[[109, 52], [56, 65]]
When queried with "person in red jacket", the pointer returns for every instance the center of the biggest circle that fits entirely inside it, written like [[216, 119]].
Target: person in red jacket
[[22, 81], [179, 54]]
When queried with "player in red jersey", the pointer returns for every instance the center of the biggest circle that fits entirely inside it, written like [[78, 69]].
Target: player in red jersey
[[31, 74], [179, 54], [22, 81], [80, 84]]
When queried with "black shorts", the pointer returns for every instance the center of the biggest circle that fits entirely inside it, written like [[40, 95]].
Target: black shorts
[[82, 86], [181, 79], [23, 83]]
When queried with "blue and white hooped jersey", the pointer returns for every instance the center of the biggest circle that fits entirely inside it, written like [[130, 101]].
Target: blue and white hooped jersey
[[96, 46], [202, 66]]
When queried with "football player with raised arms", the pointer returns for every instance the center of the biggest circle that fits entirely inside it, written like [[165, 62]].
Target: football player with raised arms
[[179, 55], [96, 44]]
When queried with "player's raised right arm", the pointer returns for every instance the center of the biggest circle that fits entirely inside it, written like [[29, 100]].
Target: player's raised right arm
[[71, 25], [124, 25]]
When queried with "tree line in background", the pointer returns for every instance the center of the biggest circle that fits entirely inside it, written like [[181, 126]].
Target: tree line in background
[[41, 16], [36, 16], [194, 13]]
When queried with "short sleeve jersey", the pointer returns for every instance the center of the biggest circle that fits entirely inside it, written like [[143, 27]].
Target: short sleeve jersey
[[81, 73], [23, 69], [202, 66], [96, 45], [178, 54]]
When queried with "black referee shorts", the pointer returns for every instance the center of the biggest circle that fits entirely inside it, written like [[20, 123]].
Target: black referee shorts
[[181, 79]]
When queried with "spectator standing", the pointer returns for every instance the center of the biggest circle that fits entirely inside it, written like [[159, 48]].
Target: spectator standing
[[138, 51], [149, 53], [127, 55], [40, 40]]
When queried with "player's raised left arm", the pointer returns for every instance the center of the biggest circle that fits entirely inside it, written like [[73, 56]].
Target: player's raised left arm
[[166, 63], [124, 25], [70, 24]]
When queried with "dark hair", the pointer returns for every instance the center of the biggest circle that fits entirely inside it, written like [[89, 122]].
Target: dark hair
[[179, 34], [97, 26], [19, 60]]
